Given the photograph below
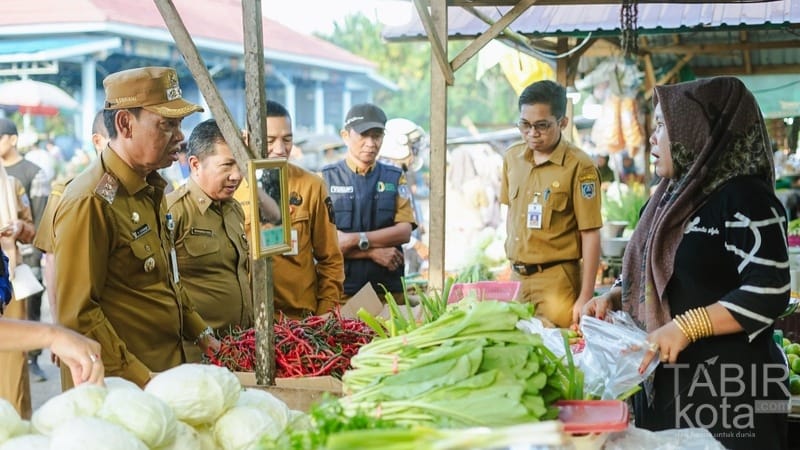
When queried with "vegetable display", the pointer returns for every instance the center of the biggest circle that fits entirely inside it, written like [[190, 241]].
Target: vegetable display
[[189, 407], [472, 367], [314, 346]]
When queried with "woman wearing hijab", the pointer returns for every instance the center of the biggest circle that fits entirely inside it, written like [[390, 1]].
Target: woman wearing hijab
[[706, 271]]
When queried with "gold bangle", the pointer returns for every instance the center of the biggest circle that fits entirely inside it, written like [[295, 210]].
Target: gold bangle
[[681, 327]]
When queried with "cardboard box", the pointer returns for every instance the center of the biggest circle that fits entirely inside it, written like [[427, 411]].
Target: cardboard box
[[297, 393]]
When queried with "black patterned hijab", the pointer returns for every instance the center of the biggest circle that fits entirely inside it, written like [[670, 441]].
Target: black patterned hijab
[[716, 133]]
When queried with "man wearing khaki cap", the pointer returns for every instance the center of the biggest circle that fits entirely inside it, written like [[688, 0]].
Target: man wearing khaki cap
[[117, 281]]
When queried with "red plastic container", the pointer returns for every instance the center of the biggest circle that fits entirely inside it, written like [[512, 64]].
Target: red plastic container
[[593, 416], [504, 291]]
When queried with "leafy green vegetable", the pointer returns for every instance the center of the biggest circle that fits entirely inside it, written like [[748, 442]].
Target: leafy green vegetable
[[623, 202]]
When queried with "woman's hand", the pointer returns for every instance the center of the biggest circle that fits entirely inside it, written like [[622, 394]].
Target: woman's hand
[[668, 342], [599, 306], [80, 353]]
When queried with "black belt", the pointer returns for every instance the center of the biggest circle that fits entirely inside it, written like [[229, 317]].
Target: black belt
[[530, 269]]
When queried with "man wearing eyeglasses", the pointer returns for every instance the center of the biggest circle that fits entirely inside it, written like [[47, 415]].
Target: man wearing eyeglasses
[[552, 189]]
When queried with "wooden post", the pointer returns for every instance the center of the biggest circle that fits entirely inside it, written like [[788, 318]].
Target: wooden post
[[255, 98], [438, 150]]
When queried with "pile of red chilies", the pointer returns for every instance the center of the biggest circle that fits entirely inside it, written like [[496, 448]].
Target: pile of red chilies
[[314, 346]]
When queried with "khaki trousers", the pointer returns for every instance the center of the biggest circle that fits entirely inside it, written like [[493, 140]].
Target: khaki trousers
[[15, 384], [553, 291]]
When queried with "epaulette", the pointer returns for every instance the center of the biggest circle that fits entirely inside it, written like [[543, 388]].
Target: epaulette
[[177, 194], [107, 187]]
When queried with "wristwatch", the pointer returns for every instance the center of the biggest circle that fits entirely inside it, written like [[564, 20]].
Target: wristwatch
[[363, 242]]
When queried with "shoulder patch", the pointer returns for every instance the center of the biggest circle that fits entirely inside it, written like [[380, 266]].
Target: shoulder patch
[[588, 174], [588, 189], [107, 188], [331, 213]]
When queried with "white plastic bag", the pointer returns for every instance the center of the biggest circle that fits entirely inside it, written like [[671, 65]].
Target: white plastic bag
[[612, 356]]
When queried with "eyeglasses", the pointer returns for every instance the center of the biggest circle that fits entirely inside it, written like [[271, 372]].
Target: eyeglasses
[[540, 127]]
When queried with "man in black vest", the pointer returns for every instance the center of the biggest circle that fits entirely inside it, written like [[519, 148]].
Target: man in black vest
[[372, 205]]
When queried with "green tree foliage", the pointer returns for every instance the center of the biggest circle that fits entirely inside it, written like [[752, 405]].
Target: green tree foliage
[[487, 102]]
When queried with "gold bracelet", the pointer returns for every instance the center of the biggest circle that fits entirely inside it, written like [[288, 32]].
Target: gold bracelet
[[681, 327]]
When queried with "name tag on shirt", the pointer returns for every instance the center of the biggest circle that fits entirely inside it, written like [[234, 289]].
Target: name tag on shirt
[[295, 246], [534, 215], [141, 231], [200, 232]]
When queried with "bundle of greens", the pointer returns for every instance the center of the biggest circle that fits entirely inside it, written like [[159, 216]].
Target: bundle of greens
[[471, 367]]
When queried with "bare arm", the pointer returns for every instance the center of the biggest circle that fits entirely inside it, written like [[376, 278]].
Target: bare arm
[[78, 352], [397, 234], [590, 252]]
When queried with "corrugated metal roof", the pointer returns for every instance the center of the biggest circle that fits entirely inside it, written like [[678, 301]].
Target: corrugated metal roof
[[732, 39], [579, 20]]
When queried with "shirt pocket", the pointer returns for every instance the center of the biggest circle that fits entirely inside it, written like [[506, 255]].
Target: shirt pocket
[[343, 207], [144, 251], [386, 207], [197, 246], [556, 205]]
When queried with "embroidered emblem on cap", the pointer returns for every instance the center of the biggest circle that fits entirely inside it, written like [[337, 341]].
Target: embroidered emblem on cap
[[174, 89]]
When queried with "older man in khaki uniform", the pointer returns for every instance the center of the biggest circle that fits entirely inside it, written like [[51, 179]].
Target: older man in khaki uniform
[[116, 280], [552, 189], [210, 239], [309, 277]]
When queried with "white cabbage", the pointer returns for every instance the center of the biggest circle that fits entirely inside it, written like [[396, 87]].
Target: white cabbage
[[189, 438], [267, 403], [91, 433], [147, 417], [81, 401], [113, 383], [27, 442], [198, 394], [242, 426], [9, 420]]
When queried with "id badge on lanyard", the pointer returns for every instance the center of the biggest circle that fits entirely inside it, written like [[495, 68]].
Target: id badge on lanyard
[[534, 217]]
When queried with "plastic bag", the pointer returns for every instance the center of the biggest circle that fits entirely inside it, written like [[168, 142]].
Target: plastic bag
[[683, 439], [614, 350], [551, 337]]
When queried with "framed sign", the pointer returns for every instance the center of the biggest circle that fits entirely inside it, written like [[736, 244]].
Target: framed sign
[[270, 227]]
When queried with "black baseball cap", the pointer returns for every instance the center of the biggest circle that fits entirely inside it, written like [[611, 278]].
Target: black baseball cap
[[7, 127], [365, 116]]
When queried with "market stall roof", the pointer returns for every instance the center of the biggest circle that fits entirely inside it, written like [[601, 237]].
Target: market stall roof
[[722, 38]]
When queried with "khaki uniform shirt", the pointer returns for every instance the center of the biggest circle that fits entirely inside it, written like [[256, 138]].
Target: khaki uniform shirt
[[44, 235], [308, 278], [213, 256], [114, 282], [567, 186]]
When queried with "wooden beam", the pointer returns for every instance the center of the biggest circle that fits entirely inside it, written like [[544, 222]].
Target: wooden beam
[[438, 45], [702, 49], [202, 77], [672, 72], [494, 30], [775, 69], [438, 161], [748, 65], [649, 74], [261, 268]]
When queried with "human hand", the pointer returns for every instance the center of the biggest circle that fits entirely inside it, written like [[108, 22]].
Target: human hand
[[8, 230], [597, 306], [577, 310], [388, 257], [80, 354], [668, 341], [207, 343]]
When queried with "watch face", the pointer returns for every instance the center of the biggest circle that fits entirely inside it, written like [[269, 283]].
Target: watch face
[[363, 244]]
